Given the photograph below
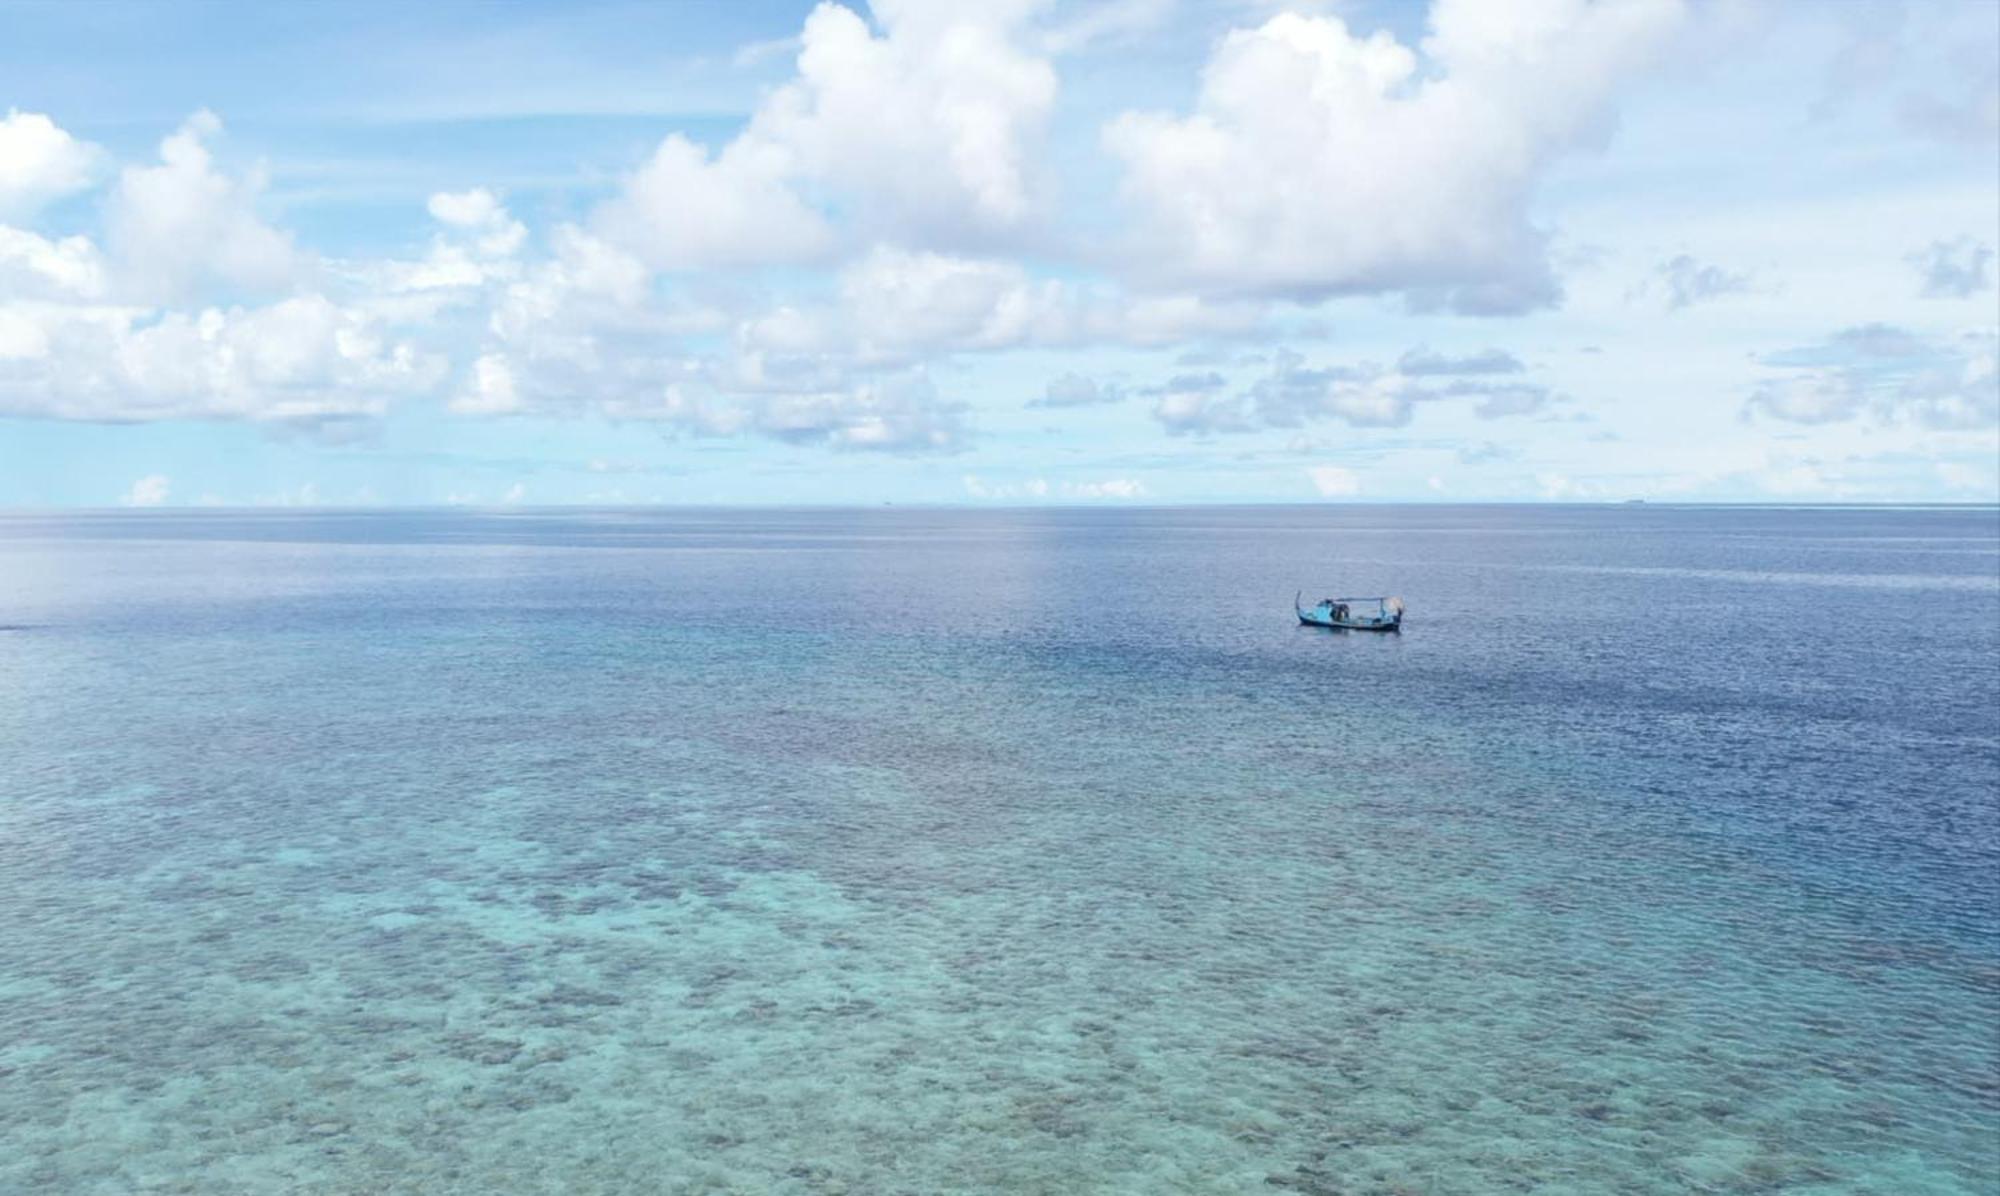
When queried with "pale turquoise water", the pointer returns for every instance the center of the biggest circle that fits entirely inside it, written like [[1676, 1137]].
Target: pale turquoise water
[[1034, 852]]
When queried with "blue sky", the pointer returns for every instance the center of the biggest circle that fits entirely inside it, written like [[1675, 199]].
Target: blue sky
[[1023, 252]]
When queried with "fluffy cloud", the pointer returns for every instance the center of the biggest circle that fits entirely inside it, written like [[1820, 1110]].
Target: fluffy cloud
[[1316, 162], [897, 300], [35, 267], [578, 330], [479, 213], [796, 370], [149, 491], [1888, 375], [580, 333], [302, 358], [80, 339], [585, 330], [183, 222], [894, 304], [1952, 269], [492, 390], [39, 162], [947, 86], [926, 132], [684, 210], [478, 244]]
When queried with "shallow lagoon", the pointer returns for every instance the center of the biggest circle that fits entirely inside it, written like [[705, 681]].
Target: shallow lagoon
[[903, 851]]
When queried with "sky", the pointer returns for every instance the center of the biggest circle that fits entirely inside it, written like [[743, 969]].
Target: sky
[[1018, 252]]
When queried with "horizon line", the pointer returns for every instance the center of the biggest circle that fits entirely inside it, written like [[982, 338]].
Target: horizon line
[[534, 508]]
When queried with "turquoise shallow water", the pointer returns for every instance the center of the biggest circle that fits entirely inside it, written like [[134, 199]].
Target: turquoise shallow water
[[1039, 852]]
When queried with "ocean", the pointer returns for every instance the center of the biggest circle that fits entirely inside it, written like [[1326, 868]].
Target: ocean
[[921, 851]]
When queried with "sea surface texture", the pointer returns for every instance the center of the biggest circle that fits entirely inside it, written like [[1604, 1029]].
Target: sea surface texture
[[1043, 852]]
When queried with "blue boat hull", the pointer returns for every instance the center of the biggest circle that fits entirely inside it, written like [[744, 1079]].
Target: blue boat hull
[[1307, 618]]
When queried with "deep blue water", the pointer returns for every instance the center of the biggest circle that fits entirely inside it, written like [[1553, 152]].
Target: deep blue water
[[922, 851]]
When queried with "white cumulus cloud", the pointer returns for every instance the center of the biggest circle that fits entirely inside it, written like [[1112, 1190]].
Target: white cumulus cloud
[[149, 491], [1316, 162], [686, 210], [896, 304], [491, 390], [40, 162], [36, 267], [184, 222], [479, 213], [925, 133], [303, 358]]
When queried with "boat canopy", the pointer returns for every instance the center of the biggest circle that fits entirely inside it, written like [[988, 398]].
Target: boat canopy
[[1392, 605]]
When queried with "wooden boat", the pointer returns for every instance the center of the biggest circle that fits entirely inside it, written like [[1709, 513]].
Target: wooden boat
[[1352, 614]]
